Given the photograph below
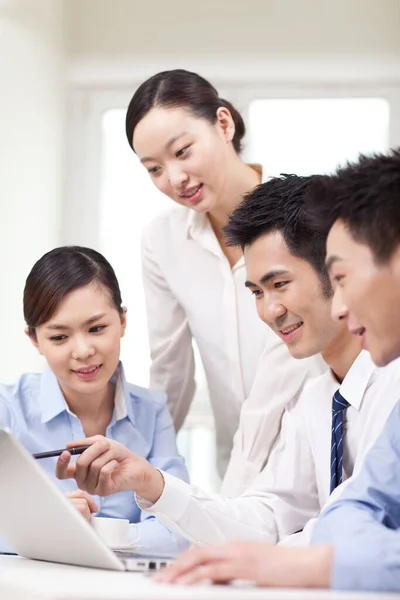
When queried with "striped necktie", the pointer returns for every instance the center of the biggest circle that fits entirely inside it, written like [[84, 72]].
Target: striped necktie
[[339, 405]]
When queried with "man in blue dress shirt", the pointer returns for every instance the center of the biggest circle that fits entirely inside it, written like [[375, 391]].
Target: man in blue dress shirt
[[357, 538], [361, 206]]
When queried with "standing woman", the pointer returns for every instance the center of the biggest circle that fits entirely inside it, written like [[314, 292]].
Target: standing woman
[[190, 140]]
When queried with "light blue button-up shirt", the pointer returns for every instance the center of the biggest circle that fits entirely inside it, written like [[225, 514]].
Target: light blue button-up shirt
[[364, 523], [36, 412]]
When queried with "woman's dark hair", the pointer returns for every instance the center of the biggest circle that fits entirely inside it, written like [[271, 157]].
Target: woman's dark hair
[[180, 88], [59, 272]]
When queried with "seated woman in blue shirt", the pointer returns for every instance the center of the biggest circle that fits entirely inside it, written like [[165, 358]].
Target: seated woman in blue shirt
[[75, 318]]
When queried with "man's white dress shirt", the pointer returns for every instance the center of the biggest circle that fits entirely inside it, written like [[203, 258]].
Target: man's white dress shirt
[[193, 293], [294, 485]]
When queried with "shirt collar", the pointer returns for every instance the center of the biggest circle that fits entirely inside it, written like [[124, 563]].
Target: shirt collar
[[359, 377], [122, 407], [51, 398], [52, 401], [198, 226]]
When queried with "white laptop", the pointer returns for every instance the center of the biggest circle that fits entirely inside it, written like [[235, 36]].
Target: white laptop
[[39, 522]]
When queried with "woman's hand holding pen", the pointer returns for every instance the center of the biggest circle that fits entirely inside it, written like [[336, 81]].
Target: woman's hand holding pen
[[108, 467]]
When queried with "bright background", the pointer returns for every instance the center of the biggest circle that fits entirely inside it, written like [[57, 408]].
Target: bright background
[[317, 82]]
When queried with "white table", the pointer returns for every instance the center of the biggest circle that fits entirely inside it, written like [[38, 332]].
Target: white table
[[24, 579]]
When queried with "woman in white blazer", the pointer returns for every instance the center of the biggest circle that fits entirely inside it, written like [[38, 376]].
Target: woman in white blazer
[[189, 140]]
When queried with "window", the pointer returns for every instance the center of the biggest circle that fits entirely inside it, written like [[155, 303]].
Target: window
[[315, 135]]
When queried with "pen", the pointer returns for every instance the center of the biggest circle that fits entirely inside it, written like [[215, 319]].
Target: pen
[[76, 450]]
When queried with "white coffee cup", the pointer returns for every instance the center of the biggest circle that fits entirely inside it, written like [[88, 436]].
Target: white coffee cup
[[116, 533]]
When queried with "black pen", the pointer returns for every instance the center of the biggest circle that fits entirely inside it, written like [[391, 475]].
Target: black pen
[[76, 450]]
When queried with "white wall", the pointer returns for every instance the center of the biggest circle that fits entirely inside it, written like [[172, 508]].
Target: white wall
[[31, 156], [117, 27], [116, 39], [247, 48]]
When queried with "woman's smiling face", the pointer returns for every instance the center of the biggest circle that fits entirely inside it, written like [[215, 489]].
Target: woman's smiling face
[[186, 156], [81, 341]]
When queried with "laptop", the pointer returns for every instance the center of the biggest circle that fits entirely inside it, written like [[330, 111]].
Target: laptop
[[39, 522]]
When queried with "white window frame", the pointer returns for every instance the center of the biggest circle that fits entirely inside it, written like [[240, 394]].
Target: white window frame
[[88, 102]]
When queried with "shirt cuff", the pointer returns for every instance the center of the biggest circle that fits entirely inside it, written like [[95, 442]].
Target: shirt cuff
[[358, 561], [174, 500]]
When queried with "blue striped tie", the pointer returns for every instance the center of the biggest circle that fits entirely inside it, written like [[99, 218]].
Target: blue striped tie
[[339, 405]]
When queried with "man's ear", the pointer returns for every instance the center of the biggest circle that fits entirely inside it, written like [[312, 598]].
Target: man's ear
[[33, 338], [123, 320]]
